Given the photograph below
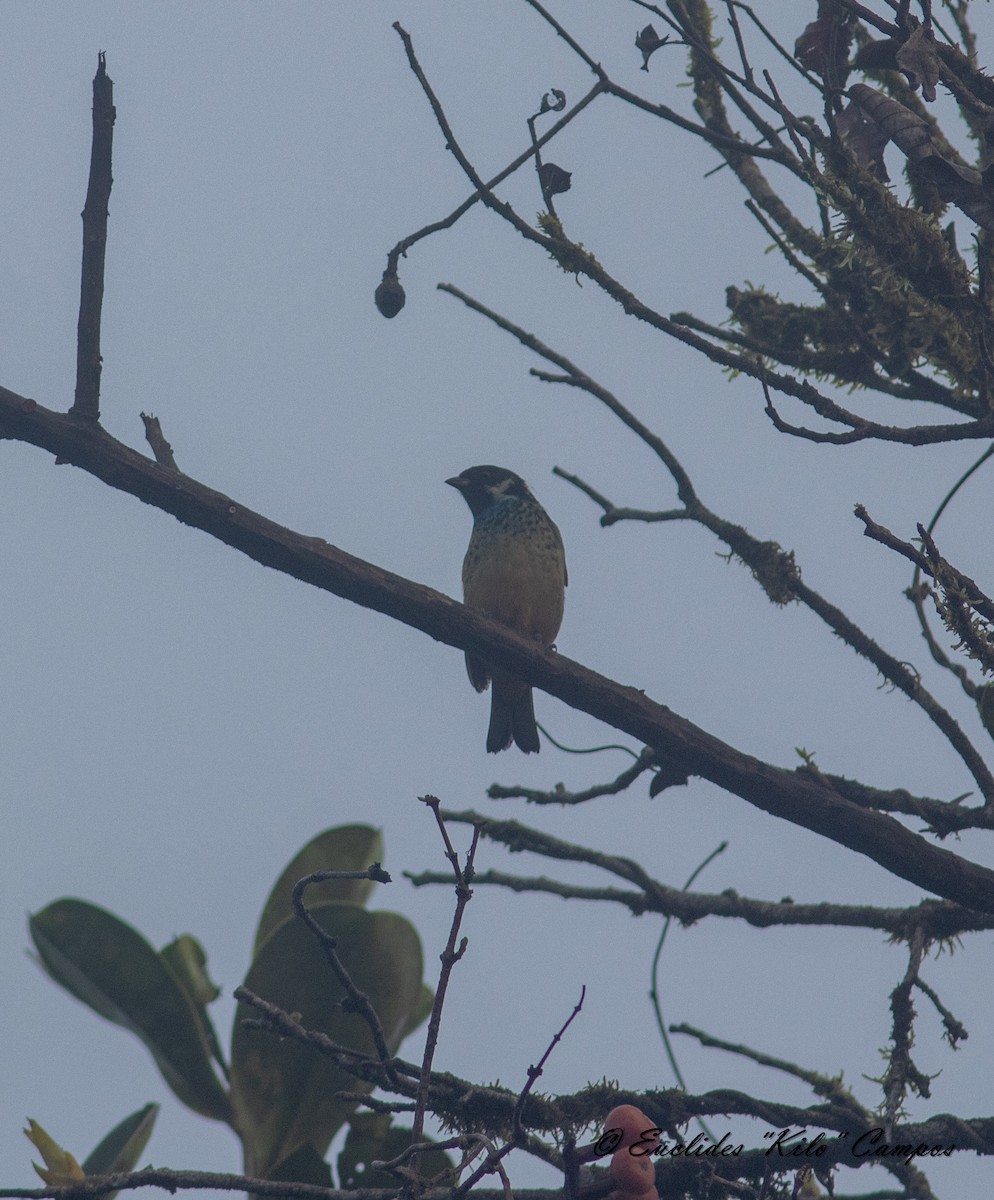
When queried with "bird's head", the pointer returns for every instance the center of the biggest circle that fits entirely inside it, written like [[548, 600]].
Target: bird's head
[[483, 486]]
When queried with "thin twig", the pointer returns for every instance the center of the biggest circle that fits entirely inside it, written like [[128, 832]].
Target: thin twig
[[916, 591], [654, 980], [535, 1072], [743, 57], [955, 1031], [941, 921], [570, 41], [452, 953], [358, 1002], [785, 54], [613, 513], [930, 561], [446, 222], [574, 259], [574, 376], [947, 921], [822, 1085], [492, 1163], [643, 762], [871, 18]]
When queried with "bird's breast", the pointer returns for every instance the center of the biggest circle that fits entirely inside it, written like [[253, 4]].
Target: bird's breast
[[517, 576]]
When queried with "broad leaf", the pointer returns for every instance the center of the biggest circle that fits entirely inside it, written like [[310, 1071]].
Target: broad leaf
[[283, 1091], [344, 848], [121, 1149], [112, 969], [371, 1137], [421, 1010], [304, 1165]]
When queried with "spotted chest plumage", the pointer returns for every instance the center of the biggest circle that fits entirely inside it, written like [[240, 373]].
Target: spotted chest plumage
[[515, 572], [515, 568]]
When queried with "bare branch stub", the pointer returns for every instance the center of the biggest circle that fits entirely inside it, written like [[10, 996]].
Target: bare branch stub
[[156, 439], [95, 211]]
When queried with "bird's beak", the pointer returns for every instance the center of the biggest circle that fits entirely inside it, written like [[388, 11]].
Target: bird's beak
[[456, 481]]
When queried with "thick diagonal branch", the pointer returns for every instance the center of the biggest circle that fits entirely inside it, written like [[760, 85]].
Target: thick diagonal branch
[[810, 803]]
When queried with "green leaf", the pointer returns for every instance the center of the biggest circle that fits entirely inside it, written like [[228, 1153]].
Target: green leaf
[[283, 1092], [343, 848], [61, 1168], [422, 1009], [372, 1137], [121, 1149], [112, 969], [188, 961], [304, 1165]]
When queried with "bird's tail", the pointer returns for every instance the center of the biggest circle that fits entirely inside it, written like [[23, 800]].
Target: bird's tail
[[512, 717]]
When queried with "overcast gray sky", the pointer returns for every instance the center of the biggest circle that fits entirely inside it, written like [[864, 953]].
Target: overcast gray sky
[[178, 720]]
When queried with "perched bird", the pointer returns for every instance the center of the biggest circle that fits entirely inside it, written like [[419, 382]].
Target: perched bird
[[515, 572]]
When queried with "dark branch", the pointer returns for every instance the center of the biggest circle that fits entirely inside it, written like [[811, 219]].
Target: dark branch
[[446, 222], [772, 568], [156, 439], [809, 803], [451, 954], [938, 920], [91, 291]]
